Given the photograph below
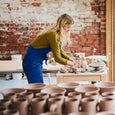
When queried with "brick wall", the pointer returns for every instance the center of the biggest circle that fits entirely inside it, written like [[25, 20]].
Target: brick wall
[[22, 20]]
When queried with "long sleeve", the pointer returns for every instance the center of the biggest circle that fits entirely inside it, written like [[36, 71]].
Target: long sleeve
[[64, 55]]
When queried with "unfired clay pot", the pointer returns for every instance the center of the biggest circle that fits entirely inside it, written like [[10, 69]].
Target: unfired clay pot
[[107, 104], [69, 86], [79, 113], [76, 95], [88, 105], [109, 94], [21, 105], [38, 105], [18, 91], [105, 86], [50, 113], [34, 87], [5, 103], [55, 105], [86, 89], [11, 96], [105, 113], [53, 91], [2, 110], [11, 112], [42, 95], [71, 105]]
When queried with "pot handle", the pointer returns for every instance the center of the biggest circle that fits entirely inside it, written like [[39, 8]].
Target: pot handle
[[53, 107]]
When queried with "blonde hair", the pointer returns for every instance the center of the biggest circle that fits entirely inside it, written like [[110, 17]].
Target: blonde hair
[[62, 21]]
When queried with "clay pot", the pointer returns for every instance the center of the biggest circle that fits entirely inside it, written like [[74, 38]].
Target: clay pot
[[50, 113], [11, 96], [5, 103], [42, 95], [34, 87], [18, 91], [109, 94], [105, 113], [2, 110], [76, 95], [105, 86], [11, 112], [107, 104], [69, 86], [88, 105], [71, 105], [21, 105], [55, 105], [38, 105], [86, 89], [53, 91], [92, 95], [79, 113]]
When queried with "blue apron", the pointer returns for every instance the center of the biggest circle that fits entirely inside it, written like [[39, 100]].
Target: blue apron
[[32, 64]]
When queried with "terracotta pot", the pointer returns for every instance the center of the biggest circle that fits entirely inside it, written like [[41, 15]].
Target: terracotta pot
[[11, 112], [93, 96], [105, 86], [34, 87], [11, 96], [86, 89], [71, 105], [42, 95], [5, 103], [105, 113], [18, 91], [69, 86], [50, 113], [107, 104], [38, 105], [21, 105], [76, 95], [109, 94], [2, 110], [88, 105], [55, 105], [53, 91], [79, 113]]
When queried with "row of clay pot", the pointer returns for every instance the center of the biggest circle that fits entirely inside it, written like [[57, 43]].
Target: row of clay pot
[[33, 104]]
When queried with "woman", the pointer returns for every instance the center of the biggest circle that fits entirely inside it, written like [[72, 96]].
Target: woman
[[51, 39]]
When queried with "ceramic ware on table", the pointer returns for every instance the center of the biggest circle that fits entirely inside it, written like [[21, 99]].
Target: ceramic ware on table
[[105, 113], [42, 95], [18, 91], [85, 89], [50, 113], [79, 113], [54, 91], [107, 104], [55, 105], [21, 105], [71, 105], [5, 103], [69, 86], [88, 105], [38, 105], [34, 87], [2, 110], [105, 86], [108, 94], [11, 112], [11, 96], [76, 95]]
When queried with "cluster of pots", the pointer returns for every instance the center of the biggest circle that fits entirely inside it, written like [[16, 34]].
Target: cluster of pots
[[69, 98]]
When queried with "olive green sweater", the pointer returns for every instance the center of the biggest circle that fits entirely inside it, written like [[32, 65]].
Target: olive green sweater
[[51, 39]]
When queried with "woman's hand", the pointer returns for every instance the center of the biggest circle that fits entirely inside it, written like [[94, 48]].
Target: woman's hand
[[70, 63]]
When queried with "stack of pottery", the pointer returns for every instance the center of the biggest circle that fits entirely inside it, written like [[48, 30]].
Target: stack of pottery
[[68, 98]]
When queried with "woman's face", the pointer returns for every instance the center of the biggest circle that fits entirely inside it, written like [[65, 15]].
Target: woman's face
[[67, 28]]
